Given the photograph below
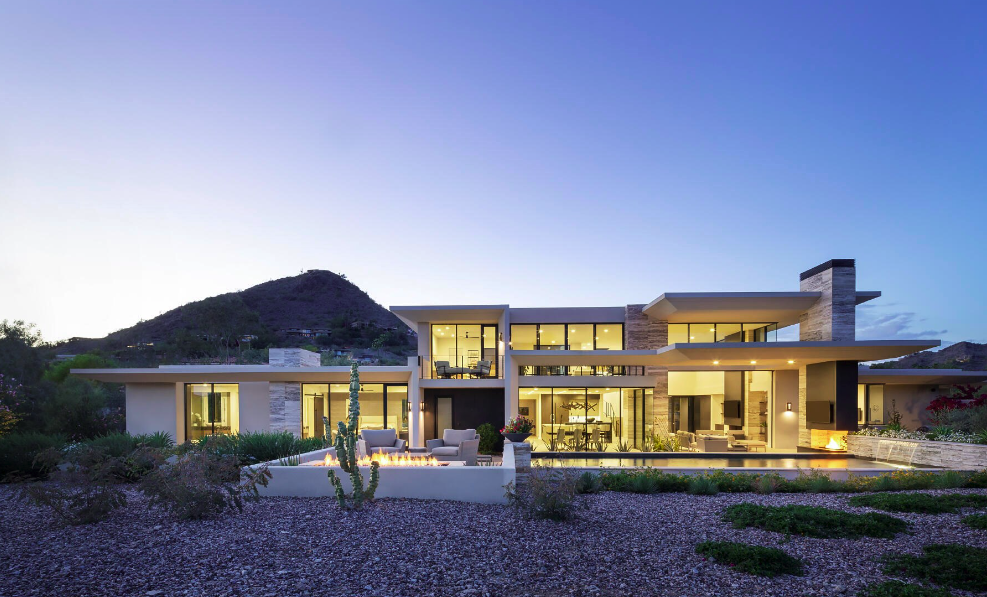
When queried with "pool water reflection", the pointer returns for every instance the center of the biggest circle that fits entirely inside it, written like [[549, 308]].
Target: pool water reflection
[[716, 462]]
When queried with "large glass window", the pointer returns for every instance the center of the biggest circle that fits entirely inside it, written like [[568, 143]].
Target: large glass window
[[460, 350], [567, 336], [683, 333], [870, 404], [588, 419], [211, 409], [382, 406]]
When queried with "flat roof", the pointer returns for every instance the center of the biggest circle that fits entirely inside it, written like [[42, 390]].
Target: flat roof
[[413, 315], [775, 355], [242, 373], [731, 307], [921, 376]]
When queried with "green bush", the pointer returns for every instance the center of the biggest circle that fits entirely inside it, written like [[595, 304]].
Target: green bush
[[956, 566], [967, 420], [703, 485], [752, 559], [949, 480], [86, 490], [589, 482], [253, 447], [114, 445], [896, 588], [921, 503], [488, 438], [976, 521], [766, 484], [19, 450], [812, 521]]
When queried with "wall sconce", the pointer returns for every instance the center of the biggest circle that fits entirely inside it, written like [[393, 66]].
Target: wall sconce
[[500, 336], [421, 406], [789, 409]]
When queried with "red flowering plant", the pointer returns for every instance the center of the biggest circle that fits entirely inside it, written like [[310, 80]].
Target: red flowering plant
[[10, 400], [963, 396], [518, 425]]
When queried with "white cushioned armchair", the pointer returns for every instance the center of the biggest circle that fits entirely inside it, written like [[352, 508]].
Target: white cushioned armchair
[[455, 445], [382, 441]]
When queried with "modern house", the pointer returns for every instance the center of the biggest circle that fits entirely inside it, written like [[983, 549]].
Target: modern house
[[591, 378]]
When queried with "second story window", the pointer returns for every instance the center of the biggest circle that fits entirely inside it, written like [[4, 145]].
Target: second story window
[[567, 336], [464, 350], [685, 333]]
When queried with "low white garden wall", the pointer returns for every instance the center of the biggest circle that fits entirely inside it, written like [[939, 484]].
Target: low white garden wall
[[919, 452], [479, 484]]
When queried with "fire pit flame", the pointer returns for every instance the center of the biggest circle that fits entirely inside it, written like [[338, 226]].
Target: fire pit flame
[[390, 460], [833, 444]]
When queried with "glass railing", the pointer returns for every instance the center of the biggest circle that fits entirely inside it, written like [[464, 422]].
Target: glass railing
[[581, 370], [462, 366]]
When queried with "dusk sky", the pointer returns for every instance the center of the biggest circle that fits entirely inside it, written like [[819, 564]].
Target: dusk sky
[[531, 153]]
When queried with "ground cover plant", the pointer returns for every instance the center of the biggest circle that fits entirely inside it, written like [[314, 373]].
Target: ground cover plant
[[976, 521], [896, 588], [920, 503], [956, 566], [752, 559], [813, 521]]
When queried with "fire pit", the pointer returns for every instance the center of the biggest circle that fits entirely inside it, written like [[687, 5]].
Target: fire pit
[[384, 460]]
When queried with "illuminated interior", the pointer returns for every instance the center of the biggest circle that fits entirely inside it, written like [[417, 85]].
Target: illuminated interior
[[465, 345], [211, 409], [685, 333], [587, 419], [567, 336], [713, 402], [382, 406], [870, 404]]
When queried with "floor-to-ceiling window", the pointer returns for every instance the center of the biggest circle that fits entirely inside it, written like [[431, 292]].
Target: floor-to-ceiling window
[[685, 333], [211, 409], [465, 350], [567, 336], [382, 406], [588, 419], [717, 402]]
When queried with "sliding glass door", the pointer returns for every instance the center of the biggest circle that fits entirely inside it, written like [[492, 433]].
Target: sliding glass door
[[382, 406]]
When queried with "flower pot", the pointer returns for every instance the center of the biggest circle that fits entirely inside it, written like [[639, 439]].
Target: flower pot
[[516, 438]]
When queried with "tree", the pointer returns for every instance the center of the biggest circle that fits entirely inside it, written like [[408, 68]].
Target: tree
[[19, 355]]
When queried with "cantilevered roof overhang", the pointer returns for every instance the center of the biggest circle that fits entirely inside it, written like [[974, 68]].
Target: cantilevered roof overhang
[[242, 373], [449, 314], [939, 377], [737, 307], [774, 355]]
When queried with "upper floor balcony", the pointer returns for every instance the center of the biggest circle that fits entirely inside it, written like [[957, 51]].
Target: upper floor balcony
[[468, 364]]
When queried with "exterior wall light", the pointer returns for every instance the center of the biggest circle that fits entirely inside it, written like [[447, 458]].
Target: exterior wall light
[[421, 406], [789, 409]]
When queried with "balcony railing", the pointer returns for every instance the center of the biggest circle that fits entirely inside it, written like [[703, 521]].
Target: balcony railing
[[462, 366], [581, 370]]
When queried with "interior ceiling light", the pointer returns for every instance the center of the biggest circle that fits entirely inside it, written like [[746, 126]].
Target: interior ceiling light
[[712, 329], [791, 362], [753, 362], [716, 362]]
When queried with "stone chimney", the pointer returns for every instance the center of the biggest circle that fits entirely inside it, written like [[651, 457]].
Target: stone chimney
[[833, 317], [293, 357]]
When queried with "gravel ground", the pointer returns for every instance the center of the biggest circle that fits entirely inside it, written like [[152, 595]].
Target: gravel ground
[[621, 545]]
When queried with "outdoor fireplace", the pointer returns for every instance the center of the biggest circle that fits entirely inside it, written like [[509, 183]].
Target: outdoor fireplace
[[828, 439]]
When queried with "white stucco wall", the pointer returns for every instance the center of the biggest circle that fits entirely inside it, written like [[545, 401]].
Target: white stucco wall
[[155, 407], [911, 400], [255, 409]]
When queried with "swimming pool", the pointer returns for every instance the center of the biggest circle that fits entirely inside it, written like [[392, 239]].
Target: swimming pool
[[821, 461]]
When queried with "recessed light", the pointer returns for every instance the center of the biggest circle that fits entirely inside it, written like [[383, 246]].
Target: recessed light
[[791, 362], [605, 331], [712, 329], [716, 362], [753, 362], [692, 337]]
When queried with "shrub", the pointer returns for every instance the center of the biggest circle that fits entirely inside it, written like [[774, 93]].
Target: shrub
[[589, 483], [83, 492], [253, 447], [765, 484], [977, 480], [703, 485], [78, 409], [549, 494], [956, 566], [488, 438], [976, 521], [203, 483], [19, 450], [160, 440], [114, 444], [949, 480], [752, 559], [812, 521], [921, 503], [896, 588]]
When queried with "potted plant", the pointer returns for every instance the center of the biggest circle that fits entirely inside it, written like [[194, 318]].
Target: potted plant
[[517, 429]]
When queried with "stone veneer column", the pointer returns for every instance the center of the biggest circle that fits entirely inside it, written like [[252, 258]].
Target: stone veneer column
[[805, 436], [833, 317], [286, 397], [643, 333]]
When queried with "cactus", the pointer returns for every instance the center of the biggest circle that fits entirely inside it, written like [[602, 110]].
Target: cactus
[[346, 453]]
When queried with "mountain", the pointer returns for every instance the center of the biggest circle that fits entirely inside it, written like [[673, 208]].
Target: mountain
[[315, 299], [968, 356]]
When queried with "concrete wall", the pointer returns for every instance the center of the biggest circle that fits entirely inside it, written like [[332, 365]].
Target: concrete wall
[[784, 424], [911, 400], [255, 412], [155, 407]]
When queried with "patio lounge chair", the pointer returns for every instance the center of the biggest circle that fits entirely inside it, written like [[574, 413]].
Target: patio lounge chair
[[382, 441], [455, 445], [442, 369], [482, 369]]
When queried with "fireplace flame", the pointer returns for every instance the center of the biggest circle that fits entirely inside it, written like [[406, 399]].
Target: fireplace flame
[[833, 444], [389, 460]]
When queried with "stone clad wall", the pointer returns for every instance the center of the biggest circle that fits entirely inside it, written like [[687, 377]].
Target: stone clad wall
[[928, 453], [643, 333], [293, 357], [833, 317], [286, 407]]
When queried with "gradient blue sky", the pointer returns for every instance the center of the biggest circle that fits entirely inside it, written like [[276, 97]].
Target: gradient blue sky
[[531, 153]]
